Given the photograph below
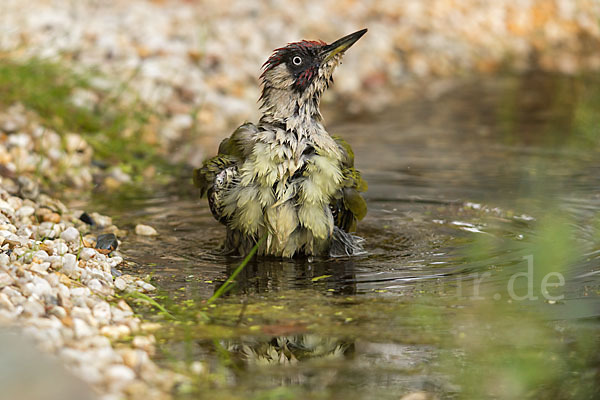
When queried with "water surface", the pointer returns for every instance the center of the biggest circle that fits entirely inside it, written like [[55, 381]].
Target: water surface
[[468, 180]]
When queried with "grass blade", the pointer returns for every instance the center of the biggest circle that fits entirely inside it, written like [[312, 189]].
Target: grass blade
[[226, 286]]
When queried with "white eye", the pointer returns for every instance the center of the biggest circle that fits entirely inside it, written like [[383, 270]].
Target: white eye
[[297, 60]]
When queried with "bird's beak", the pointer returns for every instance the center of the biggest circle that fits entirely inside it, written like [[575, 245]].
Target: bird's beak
[[341, 45]]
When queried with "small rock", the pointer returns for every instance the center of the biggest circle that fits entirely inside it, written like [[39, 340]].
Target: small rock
[[133, 358], [150, 326], [51, 217], [118, 376], [87, 253], [69, 264], [41, 268], [60, 249], [82, 329], [146, 287], [145, 230], [86, 218], [101, 220], [33, 308], [41, 255], [107, 241], [40, 287], [5, 302], [120, 284], [101, 312], [70, 235], [97, 287], [58, 311], [5, 279], [25, 211], [144, 342], [4, 259], [115, 331]]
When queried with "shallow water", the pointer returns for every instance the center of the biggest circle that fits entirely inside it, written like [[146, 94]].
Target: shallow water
[[466, 180]]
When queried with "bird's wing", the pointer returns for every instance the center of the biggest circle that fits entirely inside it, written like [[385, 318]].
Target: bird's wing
[[217, 174], [349, 206]]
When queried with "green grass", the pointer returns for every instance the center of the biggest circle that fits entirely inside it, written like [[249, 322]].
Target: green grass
[[114, 130]]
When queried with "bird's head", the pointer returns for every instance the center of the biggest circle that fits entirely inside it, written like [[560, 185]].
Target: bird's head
[[295, 76]]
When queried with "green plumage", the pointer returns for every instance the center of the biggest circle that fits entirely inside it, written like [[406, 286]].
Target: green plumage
[[220, 173], [286, 179]]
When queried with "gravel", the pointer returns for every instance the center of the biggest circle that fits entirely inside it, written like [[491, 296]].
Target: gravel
[[62, 295]]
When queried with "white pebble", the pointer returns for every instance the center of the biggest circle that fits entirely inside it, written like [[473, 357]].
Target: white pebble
[[97, 287], [115, 331], [147, 287], [119, 375], [120, 284], [58, 311], [70, 235], [5, 279], [41, 255], [145, 230], [69, 263], [60, 249], [102, 313], [40, 287], [82, 329], [33, 307], [25, 211], [40, 268], [87, 253]]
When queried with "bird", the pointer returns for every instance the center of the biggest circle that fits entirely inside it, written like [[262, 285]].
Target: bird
[[285, 184]]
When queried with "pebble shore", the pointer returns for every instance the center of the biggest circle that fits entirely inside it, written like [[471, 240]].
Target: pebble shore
[[64, 293]]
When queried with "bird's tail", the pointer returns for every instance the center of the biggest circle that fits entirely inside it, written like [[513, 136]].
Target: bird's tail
[[344, 244]]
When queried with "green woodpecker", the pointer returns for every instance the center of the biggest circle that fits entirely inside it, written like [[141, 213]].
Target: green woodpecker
[[286, 179]]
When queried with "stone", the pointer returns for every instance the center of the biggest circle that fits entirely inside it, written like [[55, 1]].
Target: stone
[[107, 241], [51, 217], [40, 268], [60, 249], [145, 230], [96, 286], [25, 211], [4, 260], [5, 302], [41, 255], [70, 235], [40, 287], [69, 264], [58, 311], [86, 218], [87, 253], [115, 331], [120, 284], [33, 307], [81, 329], [144, 342], [146, 287], [101, 312], [5, 279], [118, 376]]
